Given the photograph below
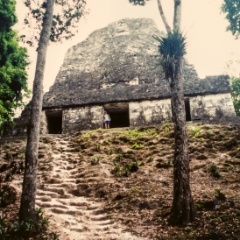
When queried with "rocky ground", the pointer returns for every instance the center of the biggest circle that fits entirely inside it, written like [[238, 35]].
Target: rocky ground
[[117, 183]]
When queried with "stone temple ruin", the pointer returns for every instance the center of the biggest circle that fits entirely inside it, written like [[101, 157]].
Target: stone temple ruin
[[117, 69]]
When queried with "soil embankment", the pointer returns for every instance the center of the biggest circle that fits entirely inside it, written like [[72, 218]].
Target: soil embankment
[[117, 183]]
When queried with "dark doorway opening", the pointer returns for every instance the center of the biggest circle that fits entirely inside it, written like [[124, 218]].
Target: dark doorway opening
[[119, 113], [187, 109], [54, 120]]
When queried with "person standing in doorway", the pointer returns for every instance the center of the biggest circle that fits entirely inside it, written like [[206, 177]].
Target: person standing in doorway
[[106, 119]]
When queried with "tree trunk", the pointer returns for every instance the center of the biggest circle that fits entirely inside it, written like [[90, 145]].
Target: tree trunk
[[27, 207], [177, 16], [163, 16], [183, 209]]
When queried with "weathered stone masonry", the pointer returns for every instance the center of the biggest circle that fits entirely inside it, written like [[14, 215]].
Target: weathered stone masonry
[[212, 107], [149, 112], [117, 68]]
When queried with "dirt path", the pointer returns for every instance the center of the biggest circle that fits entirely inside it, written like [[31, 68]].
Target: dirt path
[[63, 195]]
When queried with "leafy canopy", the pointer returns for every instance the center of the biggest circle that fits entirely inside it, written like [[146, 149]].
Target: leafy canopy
[[13, 62], [7, 14], [232, 10], [138, 2], [236, 94], [67, 14]]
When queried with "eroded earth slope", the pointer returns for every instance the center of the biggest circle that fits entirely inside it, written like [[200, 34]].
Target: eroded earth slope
[[117, 183]]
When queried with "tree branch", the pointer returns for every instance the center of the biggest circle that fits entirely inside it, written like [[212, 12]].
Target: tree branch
[[163, 16]]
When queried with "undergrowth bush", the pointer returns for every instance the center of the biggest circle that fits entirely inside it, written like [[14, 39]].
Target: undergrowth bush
[[8, 195], [25, 230], [220, 194], [196, 131], [214, 171], [124, 169], [133, 134]]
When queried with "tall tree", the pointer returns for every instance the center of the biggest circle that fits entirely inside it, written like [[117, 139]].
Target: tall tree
[[52, 27], [232, 10], [13, 63], [236, 94], [172, 49]]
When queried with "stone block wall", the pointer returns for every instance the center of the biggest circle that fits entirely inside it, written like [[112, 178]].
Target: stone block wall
[[82, 118], [149, 112], [212, 107]]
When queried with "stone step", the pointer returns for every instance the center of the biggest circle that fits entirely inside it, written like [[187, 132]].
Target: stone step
[[80, 229], [65, 197], [50, 205], [103, 222], [101, 217], [47, 193], [71, 212], [44, 198], [60, 191], [63, 185]]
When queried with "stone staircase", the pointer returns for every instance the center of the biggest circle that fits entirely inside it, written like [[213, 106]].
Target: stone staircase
[[65, 194]]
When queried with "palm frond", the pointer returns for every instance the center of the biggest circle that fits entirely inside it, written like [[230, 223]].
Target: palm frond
[[171, 48], [173, 45]]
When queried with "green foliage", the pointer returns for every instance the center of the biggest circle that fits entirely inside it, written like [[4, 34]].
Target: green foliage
[[137, 146], [167, 125], [196, 131], [98, 146], [66, 16], [171, 48], [149, 159], [165, 183], [107, 141], [214, 171], [220, 195], [138, 2], [125, 168], [134, 134], [236, 94], [90, 134], [151, 132], [54, 236], [7, 14], [118, 157], [232, 10], [95, 160], [228, 167], [13, 62], [111, 151], [209, 131], [13, 230], [116, 168], [99, 130]]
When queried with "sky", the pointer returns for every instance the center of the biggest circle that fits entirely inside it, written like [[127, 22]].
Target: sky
[[210, 48]]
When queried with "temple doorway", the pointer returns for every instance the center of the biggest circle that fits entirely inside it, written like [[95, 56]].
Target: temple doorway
[[119, 113], [54, 121], [187, 109]]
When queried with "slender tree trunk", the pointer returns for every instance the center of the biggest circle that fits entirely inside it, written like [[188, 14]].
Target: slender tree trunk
[[183, 209], [177, 15], [27, 207], [163, 16]]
